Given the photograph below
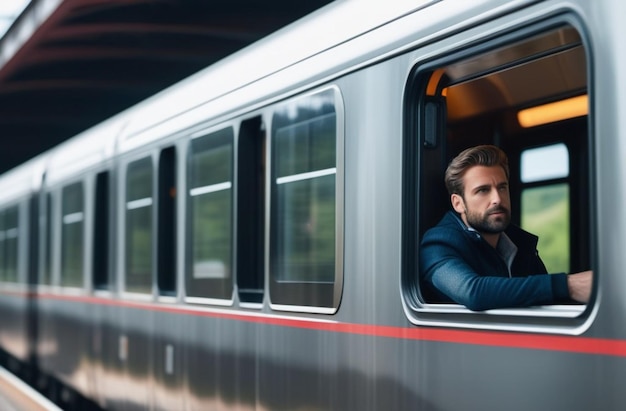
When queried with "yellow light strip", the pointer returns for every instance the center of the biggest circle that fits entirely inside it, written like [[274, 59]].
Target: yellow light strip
[[551, 112]]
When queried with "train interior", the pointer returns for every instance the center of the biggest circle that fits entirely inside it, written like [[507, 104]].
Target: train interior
[[526, 92]]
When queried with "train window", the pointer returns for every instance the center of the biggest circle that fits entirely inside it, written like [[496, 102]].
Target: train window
[[9, 239], [139, 231], [251, 211], [305, 261], [72, 223], [33, 240], [166, 267], [211, 221], [46, 272], [545, 203], [527, 93], [100, 268]]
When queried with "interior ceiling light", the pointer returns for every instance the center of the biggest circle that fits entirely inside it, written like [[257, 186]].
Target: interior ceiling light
[[556, 111]]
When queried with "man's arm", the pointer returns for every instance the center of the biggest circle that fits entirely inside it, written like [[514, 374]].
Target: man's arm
[[444, 264], [478, 293]]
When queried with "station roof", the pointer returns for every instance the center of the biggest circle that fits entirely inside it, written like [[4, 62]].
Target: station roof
[[66, 65]]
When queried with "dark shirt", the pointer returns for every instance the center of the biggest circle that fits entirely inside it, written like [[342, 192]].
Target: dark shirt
[[458, 265]]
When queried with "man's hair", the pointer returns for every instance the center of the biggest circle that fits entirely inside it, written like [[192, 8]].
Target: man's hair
[[485, 155]]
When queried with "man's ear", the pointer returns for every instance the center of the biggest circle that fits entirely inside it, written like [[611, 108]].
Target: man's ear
[[457, 203]]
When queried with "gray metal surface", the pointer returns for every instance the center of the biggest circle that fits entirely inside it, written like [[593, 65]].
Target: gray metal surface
[[132, 352]]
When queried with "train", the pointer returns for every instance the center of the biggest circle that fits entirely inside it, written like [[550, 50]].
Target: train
[[248, 238]]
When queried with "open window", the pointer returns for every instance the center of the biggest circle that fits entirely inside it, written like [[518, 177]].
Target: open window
[[526, 92]]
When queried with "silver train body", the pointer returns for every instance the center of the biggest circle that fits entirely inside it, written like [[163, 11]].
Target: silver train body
[[247, 239]]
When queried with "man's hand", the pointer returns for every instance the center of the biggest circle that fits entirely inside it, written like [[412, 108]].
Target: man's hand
[[579, 286]]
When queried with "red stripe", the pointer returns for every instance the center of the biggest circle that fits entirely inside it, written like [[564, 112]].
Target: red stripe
[[575, 344]]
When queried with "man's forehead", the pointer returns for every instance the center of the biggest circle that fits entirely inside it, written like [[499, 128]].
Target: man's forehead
[[481, 175]]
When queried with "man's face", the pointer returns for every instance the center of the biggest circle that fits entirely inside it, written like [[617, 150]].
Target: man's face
[[485, 205]]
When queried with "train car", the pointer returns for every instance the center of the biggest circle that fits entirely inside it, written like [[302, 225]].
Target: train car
[[18, 247], [248, 238]]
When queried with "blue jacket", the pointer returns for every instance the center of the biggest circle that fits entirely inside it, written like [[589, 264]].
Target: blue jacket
[[458, 265]]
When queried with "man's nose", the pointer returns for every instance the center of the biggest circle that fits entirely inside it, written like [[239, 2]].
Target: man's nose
[[496, 198]]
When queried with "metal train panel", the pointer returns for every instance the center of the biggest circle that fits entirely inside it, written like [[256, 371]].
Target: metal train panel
[[382, 347]]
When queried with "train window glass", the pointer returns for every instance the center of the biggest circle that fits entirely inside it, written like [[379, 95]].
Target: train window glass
[[139, 231], [545, 213], [100, 267], [11, 242], [33, 240], [251, 210], [544, 163], [166, 267], [46, 272], [72, 223], [504, 92], [211, 223], [9, 219], [303, 231], [545, 201]]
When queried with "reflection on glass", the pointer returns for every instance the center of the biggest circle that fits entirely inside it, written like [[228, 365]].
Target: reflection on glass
[[139, 231], [306, 146], [211, 165], [46, 272], [211, 225], [212, 234], [9, 244], [304, 160], [139, 249], [306, 224], [72, 236]]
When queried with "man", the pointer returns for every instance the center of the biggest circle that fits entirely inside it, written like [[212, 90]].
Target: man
[[475, 257]]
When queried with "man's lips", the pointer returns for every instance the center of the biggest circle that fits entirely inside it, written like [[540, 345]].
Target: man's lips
[[498, 212]]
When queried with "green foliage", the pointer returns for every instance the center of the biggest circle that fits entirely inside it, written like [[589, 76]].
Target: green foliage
[[545, 212]]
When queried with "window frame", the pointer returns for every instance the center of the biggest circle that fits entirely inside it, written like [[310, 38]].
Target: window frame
[[309, 297], [550, 182], [558, 318], [81, 217], [216, 291], [10, 241], [148, 159]]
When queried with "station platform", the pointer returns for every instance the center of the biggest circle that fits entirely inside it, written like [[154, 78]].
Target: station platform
[[16, 395]]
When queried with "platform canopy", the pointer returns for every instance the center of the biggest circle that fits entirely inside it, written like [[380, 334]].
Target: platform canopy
[[66, 65]]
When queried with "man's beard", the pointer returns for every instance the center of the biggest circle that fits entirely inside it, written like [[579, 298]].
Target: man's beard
[[485, 223]]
